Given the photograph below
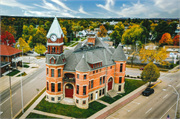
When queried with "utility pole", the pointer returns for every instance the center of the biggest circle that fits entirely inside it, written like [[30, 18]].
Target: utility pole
[[10, 94]]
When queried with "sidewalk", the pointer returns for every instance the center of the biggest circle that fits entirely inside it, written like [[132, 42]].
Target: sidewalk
[[4, 81]]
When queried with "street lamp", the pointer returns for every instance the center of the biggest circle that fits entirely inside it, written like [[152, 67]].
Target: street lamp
[[177, 99], [21, 82], [10, 92]]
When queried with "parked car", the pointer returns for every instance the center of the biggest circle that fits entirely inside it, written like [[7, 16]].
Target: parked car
[[148, 91], [30, 52], [42, 54], [25, 54], [141, 68]]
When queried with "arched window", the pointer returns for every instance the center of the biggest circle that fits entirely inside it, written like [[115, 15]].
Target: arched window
[[52, 61]]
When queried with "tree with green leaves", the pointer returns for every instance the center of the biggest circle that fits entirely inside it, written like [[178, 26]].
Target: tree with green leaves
[[150, 73], [40, 49], [22, 45], [116, 35]]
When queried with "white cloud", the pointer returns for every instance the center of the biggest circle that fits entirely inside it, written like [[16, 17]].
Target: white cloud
[[107, 6], [62, 5], [47, 5], [82, 11], [14, 3]]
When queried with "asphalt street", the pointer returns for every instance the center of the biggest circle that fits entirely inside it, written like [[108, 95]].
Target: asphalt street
[[157, 105], [31, 83]]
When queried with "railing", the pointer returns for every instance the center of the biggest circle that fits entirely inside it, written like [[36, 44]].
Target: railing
[[67, 79]]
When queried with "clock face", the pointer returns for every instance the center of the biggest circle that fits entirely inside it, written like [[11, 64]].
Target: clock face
[[53, 37]]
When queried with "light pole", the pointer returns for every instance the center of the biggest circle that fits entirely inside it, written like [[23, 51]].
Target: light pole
[[177, 99], [10, 92], [21, 82]]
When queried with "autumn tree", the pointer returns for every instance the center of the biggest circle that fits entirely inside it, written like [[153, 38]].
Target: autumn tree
[[116, 35], [151, 55], [28, 31], [65, 34], [166, 39], [133, 34], [22, 45], [176, 40], [103, 32], [150, 73], [7, 38], [40, 49]]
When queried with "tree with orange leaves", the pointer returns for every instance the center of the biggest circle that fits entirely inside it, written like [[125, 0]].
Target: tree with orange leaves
[[166, 39], [103, 31], [176, 40]]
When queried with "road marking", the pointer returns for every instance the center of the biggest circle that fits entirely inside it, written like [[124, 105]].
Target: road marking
[[7, 99], [135, 102], [127, 110], [178, 85], [1, 112], [32, 80], [148, 110], [165, 96], [168, 110]]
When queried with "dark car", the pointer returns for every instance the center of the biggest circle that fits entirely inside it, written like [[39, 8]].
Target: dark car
[[30, 52], [148, 91], [42, 54], [142, 68], [25, 54]]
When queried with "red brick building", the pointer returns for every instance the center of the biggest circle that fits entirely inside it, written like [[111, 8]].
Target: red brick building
[[9, 55], [84, 74]]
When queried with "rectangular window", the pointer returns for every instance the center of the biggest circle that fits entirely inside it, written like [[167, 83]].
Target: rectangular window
[[92, 83], [120, 79], [94, 66], [78, 76], [85, 76], [91, 96], [47, 71], [119, 89], [47, 85], [59, 98], [77, 90], [103, 79], [52, 72], [103, 91], [96, 71], [99, 92], [121, 67], [111, 67], [4, 58], [59, 72], [52, 98], [59, 86], [84, 102], [52, 87], [77, 101], [100, 82], [84, 90], [93, 72]]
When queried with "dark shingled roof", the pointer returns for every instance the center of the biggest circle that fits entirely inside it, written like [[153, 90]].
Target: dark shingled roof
[[83, 66], [119, 55], [57, 57]]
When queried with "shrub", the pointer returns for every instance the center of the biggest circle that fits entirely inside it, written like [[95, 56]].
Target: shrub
[[127, 75]]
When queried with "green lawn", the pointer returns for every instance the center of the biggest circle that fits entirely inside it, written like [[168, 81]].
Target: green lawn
[[13, 72], [33, 115], [69, 110], [130, 85], [22, 74], [74, 44]]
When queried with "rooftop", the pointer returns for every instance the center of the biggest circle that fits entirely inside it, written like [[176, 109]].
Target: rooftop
[[8, 51]]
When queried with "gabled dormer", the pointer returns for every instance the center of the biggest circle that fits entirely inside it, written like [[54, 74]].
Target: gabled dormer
[[55, 38]]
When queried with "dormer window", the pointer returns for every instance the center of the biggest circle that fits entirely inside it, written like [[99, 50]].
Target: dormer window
[[52, 60]]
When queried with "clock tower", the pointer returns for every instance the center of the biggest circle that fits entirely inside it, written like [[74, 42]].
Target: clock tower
[[55, 38], [55, 61]]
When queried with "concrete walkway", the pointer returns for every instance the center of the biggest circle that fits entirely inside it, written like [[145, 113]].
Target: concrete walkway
[[32, 106], [105, 103]]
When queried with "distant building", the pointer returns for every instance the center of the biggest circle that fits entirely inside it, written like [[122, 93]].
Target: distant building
[[83, 74], [9, 55]]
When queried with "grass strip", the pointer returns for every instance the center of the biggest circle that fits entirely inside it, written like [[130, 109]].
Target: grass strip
[[20, 114], [130, 86], [22, 74], [69, 110], [13, 72]]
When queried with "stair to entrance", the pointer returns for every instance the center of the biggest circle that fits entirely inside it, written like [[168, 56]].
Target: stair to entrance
[[68, 101], [112, 93]]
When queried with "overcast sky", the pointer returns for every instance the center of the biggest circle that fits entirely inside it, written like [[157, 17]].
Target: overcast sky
[[92, 8]]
